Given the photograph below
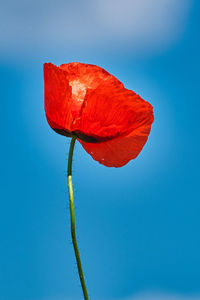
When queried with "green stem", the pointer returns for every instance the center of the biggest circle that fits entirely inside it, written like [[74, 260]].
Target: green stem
[[72, 214]]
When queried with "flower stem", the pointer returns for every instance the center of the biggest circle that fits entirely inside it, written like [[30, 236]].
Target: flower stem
[[72, 215]]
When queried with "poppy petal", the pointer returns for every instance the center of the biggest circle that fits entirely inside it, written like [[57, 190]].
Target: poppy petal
[[89, 75], [119, 151], [84, 77], [57, 95], [110, 111]]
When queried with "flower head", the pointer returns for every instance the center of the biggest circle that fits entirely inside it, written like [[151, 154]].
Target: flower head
[[111, 122]]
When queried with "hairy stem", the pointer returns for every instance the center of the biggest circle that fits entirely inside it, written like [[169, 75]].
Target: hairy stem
[[72, 215]]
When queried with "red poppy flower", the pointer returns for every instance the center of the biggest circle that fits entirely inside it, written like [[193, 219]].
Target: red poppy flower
[[111, 122]]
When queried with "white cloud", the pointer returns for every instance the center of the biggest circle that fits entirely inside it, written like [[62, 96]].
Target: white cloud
[[135, 24]]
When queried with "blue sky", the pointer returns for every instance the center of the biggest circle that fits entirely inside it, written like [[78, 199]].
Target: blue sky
[[138, 226]]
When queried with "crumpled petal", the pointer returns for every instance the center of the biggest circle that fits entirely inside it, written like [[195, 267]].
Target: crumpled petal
[[57, 95], [90, 75], [83, 78], [112, 111], [119, 151]]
